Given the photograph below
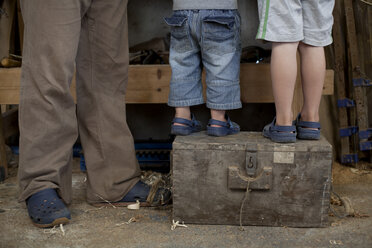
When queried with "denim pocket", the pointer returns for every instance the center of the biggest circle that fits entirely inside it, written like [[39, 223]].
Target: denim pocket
[[180, 38], [221, 35]]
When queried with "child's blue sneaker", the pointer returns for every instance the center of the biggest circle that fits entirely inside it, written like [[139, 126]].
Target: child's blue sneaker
[[280, 134], [307, 130], [225, 127], [188, 126], [46, 209]]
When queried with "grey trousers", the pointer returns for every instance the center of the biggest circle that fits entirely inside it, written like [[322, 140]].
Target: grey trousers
[[91, 35]]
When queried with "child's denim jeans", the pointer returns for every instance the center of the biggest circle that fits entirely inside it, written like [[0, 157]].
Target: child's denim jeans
[[207, 39]]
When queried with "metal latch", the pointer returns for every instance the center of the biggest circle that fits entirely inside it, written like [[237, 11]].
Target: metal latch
[[251, 163]]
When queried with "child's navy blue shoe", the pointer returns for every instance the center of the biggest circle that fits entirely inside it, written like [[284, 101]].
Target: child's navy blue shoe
[[46, 209], [187, 127], [280, 134], [225, 127], [307, 130]]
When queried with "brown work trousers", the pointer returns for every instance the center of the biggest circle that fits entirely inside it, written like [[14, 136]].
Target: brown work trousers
[[91, 36]]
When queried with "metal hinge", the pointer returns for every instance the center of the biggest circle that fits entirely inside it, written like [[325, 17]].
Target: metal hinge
[[345, 103], [361, 82], [349, 159], [345, 132], [365, 134], [365, 146]]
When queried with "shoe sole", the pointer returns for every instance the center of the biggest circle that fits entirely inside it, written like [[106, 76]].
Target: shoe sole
[[56, 222]]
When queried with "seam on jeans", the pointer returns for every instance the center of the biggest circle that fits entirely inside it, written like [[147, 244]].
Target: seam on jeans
[[264, 28], [225, 106], [223, 83], [186, 103], [184, 80], [91, 29]]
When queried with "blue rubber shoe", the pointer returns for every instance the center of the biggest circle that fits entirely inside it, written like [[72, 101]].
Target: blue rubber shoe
[[191, 126], [148, 196], [304, 131], [226, 127], [46, 209], [280, 134]]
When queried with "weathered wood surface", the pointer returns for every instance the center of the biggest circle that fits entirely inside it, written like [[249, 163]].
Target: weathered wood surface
[[359, 92], [339, 51], [298, 195], [150, 84]]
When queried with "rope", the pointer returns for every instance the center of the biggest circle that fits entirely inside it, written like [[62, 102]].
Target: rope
[[366, 2], [349, 211], [246, 197], [153, 190]]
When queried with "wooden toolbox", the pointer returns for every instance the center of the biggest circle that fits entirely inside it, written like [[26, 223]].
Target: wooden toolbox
[[289, 184]]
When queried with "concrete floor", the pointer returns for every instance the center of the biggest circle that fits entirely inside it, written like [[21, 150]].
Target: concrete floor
[[105, 227]]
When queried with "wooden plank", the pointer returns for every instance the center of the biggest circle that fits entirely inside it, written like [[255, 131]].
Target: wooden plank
[[360, 96], [363, 23], [339, 52], [150, 84]]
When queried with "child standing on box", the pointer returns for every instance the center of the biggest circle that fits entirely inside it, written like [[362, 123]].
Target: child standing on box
[[204, 34], [292, 25]]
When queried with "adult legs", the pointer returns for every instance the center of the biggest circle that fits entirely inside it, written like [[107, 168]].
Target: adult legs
[[102, 75], [47, 118]]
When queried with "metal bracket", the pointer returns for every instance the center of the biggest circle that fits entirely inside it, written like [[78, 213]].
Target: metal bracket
[[345, 132], [365, 146], [345, 103], [251, 163], [361, 82], [262, 182], [365, 134], [349, 158]]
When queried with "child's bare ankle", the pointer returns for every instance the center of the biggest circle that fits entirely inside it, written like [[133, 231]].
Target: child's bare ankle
[[219, 115]]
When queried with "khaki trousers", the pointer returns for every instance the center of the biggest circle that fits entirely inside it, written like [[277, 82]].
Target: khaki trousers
[[91, 35]]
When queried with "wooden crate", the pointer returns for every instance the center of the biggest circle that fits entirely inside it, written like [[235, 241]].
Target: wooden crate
[[290, 183]]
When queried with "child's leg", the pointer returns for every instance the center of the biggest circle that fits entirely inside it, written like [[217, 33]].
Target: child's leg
[[283, 73], [221, 51], [218, 115], [182, 112], [313, 70]]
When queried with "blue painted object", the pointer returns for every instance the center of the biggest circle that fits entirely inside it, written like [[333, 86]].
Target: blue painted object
[[146, 154], [365, 146], [361, 82], [83, 166], [345, 132], [77, 150], [350, 158], [15, 150], [345, 103], [365, 134]]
